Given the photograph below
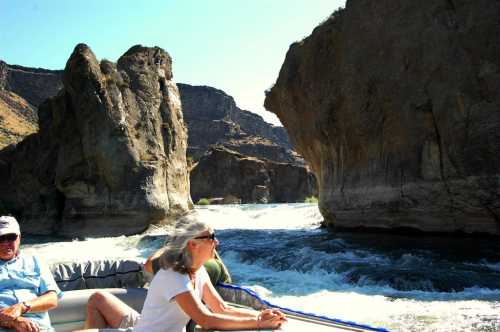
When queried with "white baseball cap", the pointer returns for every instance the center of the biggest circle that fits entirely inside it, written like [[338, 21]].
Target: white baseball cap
[[9, 225]]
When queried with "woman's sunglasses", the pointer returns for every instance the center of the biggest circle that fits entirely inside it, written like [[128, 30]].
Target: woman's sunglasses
[[211, 237], [8, 238]]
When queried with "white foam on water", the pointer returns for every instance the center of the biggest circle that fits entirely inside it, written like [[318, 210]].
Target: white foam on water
[[423, 311], [295, 281], [258, 216], [90, 249], [398, 314]]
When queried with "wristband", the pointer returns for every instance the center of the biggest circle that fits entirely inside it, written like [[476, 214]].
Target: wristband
[[27, 307]]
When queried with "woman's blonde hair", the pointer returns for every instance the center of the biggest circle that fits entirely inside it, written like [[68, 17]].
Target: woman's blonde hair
[[175, 255]]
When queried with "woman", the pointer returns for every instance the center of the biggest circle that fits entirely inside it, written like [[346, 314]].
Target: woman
[[176, 292]]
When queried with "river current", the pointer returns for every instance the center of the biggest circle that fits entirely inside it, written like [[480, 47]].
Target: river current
[[401, 283]]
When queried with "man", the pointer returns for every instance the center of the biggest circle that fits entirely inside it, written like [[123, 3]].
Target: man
[[27, 288]]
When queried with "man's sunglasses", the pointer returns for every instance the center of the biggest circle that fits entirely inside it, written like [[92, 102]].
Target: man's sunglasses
[[8, 238], [211, 237]]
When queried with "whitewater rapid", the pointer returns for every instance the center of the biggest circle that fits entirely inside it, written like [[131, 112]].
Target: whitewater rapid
[[400, 283]]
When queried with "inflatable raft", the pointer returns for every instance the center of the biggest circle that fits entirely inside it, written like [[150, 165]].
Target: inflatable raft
[[127, 281]]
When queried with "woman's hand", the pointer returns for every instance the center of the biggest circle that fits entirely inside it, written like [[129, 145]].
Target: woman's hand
[[270, 319], [270, 313]]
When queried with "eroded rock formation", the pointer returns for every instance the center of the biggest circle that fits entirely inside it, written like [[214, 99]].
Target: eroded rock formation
[[110, 155], [212, 118], [211, 115], [233, 177], [396, 107]]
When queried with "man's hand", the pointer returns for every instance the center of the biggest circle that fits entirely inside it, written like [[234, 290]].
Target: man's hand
[[12, 312], [22, 324]]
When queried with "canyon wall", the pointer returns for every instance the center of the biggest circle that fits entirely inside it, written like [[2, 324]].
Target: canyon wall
[[395, 105]]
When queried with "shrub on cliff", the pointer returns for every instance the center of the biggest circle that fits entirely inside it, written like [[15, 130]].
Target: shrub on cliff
[[311, 199], [203, 201]]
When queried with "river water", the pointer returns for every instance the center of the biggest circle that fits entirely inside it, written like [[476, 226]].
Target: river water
[[398, 282]]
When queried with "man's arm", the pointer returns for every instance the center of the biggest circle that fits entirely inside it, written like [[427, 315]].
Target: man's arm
[[44, 302]]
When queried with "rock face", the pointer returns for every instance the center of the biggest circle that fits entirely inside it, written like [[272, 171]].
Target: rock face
[[212, 118], [395, 105], [236, 177], [110, 155], [211, 115], [17, 118], [3, 74], [33, 84]]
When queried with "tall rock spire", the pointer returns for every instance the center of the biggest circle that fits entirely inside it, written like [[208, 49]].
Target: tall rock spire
[[110, 157]]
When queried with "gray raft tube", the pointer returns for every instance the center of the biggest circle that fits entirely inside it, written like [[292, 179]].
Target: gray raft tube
[[126, 279]]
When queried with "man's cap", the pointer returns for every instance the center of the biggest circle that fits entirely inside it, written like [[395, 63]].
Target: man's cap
[[9, 225]]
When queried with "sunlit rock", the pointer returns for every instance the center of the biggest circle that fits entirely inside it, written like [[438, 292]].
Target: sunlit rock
[[395, 106], [110, 156]]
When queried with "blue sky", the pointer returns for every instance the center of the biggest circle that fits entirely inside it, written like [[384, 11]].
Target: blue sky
[[234, 45]]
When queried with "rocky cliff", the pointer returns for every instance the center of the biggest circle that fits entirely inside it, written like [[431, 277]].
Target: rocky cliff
[[211, 115], [395, 106], [224, 173], [110, 154], [18, 118], [212, 118], [33, 84]]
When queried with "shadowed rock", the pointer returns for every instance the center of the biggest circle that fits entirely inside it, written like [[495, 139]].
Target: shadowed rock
[[395, 106], [33, 84], [213, 118], [227, 174], [110, 156]]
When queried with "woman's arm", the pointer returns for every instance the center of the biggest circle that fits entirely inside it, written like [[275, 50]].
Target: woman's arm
[[212, 298], [195, 309], [148, 266]]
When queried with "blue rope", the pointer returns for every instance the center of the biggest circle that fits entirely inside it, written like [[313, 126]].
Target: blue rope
[[325, 318]]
